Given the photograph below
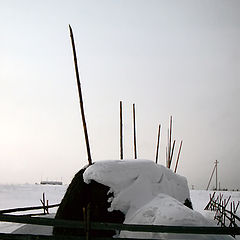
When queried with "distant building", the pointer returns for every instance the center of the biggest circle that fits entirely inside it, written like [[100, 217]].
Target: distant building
[[51, 183]]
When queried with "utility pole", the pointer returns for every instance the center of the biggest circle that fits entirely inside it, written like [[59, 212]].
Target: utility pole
[[214, 169], [216, 163]]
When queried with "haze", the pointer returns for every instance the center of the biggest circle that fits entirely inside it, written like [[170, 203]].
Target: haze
[[178, 58]]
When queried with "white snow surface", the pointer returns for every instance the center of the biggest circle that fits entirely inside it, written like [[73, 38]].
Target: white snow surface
[[27, 195], [134, 183], [161, 209], [165, 210], [148, 193]]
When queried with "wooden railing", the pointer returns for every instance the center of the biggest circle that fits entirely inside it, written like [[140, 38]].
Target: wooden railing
[[106, 226], [23, 209]]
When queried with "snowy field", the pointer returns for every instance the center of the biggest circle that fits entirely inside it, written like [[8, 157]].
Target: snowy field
[[27, 195], [12, 196]]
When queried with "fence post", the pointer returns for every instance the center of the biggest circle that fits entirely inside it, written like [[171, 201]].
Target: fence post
[[44, 204], [88, 236], [86, 219], [47, 208]]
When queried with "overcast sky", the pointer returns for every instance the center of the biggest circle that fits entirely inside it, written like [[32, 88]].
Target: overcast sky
[[169, 57]]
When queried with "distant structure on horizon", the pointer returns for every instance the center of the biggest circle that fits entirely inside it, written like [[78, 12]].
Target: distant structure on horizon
[[51, 183]]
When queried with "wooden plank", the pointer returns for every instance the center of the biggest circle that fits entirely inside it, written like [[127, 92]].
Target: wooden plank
[[11, 210], [41, 221], [115, 226], [166, 229], [8, 236]]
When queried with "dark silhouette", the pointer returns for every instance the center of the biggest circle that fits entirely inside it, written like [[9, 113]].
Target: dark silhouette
[[188, 203], [78, 196]]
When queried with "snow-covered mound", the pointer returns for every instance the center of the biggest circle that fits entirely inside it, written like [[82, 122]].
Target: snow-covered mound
[[148, 193], [134, 183], [165, 210]]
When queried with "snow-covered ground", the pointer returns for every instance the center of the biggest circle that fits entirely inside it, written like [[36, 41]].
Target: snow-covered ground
[[12, 196], [27, 195]]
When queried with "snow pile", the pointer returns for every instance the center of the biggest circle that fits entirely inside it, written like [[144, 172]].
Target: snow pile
[[136, 182], [165, 210], [148, 193]]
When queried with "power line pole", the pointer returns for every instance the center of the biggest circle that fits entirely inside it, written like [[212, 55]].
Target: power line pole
[[216, 163]]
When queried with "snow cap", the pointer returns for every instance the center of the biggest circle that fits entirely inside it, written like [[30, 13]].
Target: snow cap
[[136, 182]]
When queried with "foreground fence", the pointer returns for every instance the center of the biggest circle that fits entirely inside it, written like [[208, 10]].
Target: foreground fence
[[106, 226], [225, 210], [87, 225]]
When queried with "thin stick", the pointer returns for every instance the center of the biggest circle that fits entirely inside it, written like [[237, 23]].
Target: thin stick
[[237, 207], [43, 203], [170, 136], [170, 142], [170, 162], [134, 133], [158, 141], [166, 156], [80, 98], [180, 148], [47, 209], [225, 205], [121, 132]]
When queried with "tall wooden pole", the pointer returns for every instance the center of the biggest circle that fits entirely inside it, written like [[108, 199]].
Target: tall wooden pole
[[80, 98], [158, 141], [178, 156], [169, 143], [172, 151], [121, 132], [134, 133], [166, 156], [167, 149]]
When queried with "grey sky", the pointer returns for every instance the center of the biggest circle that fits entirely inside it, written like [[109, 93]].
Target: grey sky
[[178, 58]]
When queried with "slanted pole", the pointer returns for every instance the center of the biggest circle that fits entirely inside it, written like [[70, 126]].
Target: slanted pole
[[121, 132], [166, 156], [80, 98], [158, 141], [134, 133], [211, 177], [180, 148], [172, 151], [167, 149]]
